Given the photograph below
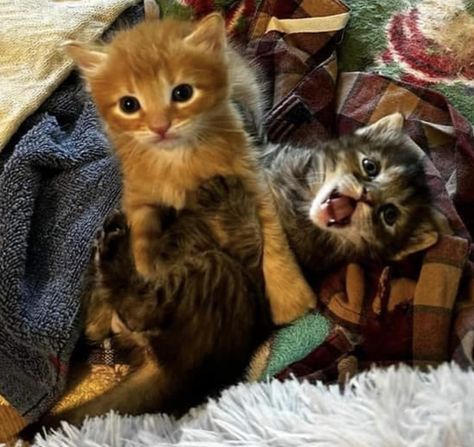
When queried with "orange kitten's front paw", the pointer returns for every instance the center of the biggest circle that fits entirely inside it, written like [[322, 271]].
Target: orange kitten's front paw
[[289, 299], [145, 230], [287, 307]]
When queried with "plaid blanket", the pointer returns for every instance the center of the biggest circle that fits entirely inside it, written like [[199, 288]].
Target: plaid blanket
[[419, 311]]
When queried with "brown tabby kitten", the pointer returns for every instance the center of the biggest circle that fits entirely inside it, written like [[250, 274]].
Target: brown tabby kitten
[[164, 91], [193, 328], [359, 197]]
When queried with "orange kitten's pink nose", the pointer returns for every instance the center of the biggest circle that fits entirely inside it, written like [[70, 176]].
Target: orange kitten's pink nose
[[160, 127]]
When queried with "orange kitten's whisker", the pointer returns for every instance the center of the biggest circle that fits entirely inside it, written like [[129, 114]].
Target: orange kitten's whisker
[[181, 124], [218, 128]]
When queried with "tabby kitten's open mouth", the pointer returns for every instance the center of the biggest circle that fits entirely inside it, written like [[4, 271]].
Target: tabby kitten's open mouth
[[337, 209]]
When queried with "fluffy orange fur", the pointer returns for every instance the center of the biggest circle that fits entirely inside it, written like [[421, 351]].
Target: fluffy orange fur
[[204, 136]]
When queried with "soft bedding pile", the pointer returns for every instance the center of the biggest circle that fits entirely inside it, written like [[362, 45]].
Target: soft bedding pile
[[398, 408], [58, 182]]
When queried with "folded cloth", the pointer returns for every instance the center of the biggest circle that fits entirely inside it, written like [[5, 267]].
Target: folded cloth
[[57, 184], [54, 192], [288, 345], [32, 63], [423, 42]]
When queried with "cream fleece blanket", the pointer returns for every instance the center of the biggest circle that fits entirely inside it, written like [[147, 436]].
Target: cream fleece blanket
[[32, 63], [399, 407]]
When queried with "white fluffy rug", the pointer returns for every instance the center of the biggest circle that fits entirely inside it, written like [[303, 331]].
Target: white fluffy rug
[[381, 408]]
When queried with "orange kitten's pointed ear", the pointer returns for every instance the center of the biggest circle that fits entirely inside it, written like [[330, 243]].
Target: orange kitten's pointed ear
[[387, 124], [152, 10], [88, 59], [209, 32]]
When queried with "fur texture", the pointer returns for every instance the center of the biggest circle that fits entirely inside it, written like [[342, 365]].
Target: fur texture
[[356, 198], [164, 90]]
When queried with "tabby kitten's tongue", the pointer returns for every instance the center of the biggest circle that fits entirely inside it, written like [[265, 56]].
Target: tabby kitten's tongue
[[337, 209]]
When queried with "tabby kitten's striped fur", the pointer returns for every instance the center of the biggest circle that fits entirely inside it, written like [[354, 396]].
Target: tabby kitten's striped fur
[[359, 197], [191, 330]]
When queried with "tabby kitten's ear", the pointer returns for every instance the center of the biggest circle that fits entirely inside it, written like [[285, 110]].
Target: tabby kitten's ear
[[209, 33], [422, 238], [152, 10], [425, 235], [88, 59], [388, 124]]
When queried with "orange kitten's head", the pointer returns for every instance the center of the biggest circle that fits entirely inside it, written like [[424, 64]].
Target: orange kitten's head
[[161, 83]]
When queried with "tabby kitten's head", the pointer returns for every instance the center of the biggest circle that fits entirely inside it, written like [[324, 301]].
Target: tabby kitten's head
[[374, 196], [159, 83]]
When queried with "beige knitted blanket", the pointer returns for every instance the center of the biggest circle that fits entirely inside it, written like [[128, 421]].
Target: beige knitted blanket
[[32, 63]]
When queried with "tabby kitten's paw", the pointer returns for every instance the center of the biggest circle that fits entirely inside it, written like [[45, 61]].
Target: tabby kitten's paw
[[110, 236]]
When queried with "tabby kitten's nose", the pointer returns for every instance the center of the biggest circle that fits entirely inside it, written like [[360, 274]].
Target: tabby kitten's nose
[[366, 197], [160, 127]]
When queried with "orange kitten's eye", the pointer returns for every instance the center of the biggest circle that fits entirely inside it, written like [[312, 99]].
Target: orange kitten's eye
[[129, 104], [182, 93]]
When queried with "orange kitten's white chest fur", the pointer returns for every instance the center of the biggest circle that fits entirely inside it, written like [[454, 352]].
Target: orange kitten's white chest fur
[[170, 177]]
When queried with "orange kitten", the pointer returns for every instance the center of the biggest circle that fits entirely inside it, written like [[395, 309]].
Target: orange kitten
[[163, 89]]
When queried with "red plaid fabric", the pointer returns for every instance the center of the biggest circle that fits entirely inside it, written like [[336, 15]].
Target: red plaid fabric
[[419, 311]]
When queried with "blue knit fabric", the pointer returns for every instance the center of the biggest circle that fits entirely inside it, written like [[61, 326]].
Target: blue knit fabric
[[58, 181], [55, 189]]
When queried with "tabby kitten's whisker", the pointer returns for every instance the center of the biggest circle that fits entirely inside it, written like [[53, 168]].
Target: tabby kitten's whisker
[[221, 129]]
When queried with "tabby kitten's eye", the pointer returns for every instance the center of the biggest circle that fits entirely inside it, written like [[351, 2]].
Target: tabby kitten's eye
[[389, 214], [129, 104], [182, 93], [371, 168]]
